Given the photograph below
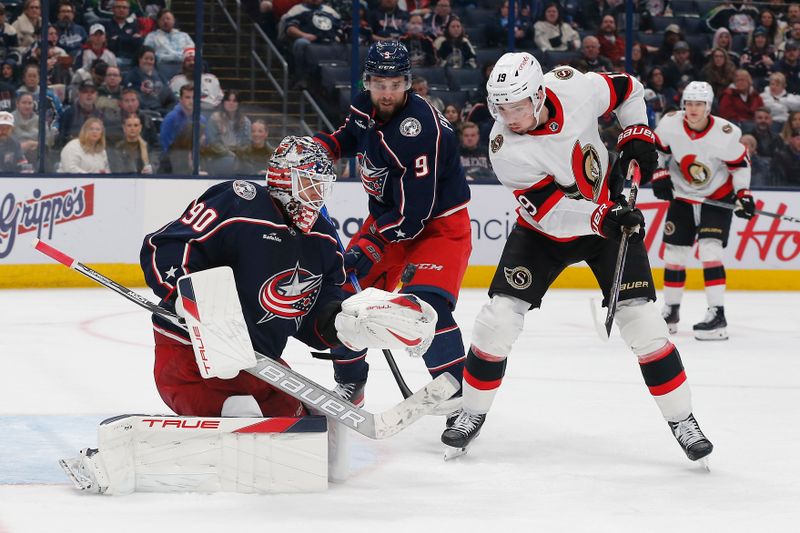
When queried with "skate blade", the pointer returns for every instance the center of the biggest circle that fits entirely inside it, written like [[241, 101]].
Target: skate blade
[[715, 335], [673, 328], [72, 469], [703, 461], [452, 453]]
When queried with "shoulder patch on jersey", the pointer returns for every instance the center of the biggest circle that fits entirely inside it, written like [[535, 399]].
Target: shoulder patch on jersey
[[497, 143], [671, 113], [518, 277], [245, 189], [563, 73], [410, 127], [727, 128]]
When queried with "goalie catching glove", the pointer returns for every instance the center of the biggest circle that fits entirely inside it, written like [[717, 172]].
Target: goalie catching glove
[[378, 319]]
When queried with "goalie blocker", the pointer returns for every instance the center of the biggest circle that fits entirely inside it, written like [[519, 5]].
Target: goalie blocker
[[186, 454]]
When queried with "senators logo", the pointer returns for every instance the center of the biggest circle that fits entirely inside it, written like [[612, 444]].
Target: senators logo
[[518, 277], [563, 73], [497, 143], [587, 170], [694, 171], [289, 295]]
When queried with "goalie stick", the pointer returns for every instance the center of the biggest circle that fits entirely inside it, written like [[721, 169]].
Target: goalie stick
[[371, 425], [636, 177], [726, 205]]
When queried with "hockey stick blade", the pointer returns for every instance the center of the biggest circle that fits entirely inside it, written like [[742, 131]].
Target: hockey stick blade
[[371, 425]]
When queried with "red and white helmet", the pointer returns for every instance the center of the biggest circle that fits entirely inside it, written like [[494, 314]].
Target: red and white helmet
[[515, 77], [698, 91], [301, 176]]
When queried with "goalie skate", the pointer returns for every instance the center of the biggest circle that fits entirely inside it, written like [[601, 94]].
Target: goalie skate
[[691, 438], [461, 431], [84, 471]]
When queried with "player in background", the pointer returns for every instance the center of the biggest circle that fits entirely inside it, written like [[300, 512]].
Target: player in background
[[418, 194], [288, 271], [546, 148], [701, 157]]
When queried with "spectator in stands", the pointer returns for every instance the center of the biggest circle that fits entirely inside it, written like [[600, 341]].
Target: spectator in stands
[[497, 28], [789, 126], [153, 90], [454, 48], [210, 90], [769, 141], [786, 162], [76, 114], [86, 154], [419, 85], [774, 28], [760, 175], [177, 141], [108, 96], [111, 88], [738, 19], [228, 125], [95, 48], [612, 45], [26, 128], [719, 70], [8, 38], [28, 25], [306, 23], [387, 21], [664, 98], [453, 115], [71, 36], [759, 57], [638, 61], [739, 102], [95, 72], [672, 36], [420, 47], [789, 66], [252, 159], [792, 13], [792, 34], [123, 34], [435, 22], [131, 154], [474, 156], [722, 39], [679, 68], [129, 105], [12, 159], [168, 43], [590, 59], [8, 96], [777, 100], [30, 85], [8, 72], [552, 33]]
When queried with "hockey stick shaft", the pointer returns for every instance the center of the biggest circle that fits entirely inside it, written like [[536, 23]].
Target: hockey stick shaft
[[372, 425], [635, 176], [726, 205], [351, 277]]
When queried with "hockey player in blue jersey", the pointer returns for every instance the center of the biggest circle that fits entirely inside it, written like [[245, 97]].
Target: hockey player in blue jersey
[[418, 194], [288, 272]]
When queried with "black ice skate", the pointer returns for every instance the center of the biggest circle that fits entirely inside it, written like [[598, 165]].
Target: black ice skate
[[691, 438], [672, 315], [460, 433], [352, 392], [712, 328]]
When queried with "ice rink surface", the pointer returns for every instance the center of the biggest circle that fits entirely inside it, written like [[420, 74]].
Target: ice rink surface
[[574, 441]]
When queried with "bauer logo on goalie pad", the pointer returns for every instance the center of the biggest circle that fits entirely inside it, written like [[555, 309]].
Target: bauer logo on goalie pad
[[289, 294], [518, 277]]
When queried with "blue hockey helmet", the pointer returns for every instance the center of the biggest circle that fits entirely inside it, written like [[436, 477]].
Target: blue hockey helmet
[[387, 59]]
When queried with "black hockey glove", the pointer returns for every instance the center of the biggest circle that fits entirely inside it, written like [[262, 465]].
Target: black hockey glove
[[609, 220], [662, 185], [638, 142], [745, 205], [363, 254]]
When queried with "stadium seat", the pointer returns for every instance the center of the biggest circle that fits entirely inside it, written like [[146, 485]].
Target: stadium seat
[[328, 54], [488, 55], [698, 42], [465, 79], [437, 79], [478, 16], [332, 78], [476, 35], [704, 6], [651, 39], [683, 7], [661, 23], [739, 43], [553, 59], [692, 25], [458, 98]]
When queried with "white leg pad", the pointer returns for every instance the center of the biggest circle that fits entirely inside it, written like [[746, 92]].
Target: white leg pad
[[710, 250], [677, 255], [241, 407], [499, 324], [641, 326]]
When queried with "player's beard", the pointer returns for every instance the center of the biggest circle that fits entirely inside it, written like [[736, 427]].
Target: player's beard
[[386, 110]]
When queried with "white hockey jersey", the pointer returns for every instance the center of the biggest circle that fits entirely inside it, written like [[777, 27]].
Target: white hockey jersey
[[703, 164], [559, 171]]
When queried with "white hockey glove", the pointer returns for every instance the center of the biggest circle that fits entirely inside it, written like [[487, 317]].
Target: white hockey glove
[[378, 319]]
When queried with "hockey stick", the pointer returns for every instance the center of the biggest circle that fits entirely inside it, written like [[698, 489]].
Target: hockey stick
[[726, 205], [372, 425], [635, 177], [351, 277]]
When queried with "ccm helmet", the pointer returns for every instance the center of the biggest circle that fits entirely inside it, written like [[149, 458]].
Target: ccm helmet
[[387, 59], [515, 77], [300, 176], [698, 91]]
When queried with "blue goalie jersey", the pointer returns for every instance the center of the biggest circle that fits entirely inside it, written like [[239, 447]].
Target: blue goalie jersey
[[284, 276], [410, 165]]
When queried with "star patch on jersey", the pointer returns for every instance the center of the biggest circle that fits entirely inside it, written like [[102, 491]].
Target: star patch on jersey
[[410, 127], [518, 277], [727, 128], [563, 73], [497, 143], [289, 294], [245, 189]]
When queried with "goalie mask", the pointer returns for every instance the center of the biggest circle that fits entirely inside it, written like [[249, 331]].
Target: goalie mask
[[300, 176], [515, 77], [698, 91]]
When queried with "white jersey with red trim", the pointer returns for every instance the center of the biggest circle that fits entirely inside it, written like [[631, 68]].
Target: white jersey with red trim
[[703, 164], [559, 171]]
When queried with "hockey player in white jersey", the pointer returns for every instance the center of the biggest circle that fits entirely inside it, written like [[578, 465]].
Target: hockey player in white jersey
[[702, 157], [546, 148]]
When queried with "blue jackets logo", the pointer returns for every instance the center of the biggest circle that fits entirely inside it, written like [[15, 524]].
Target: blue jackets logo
[[289, 294], [373, 178]]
